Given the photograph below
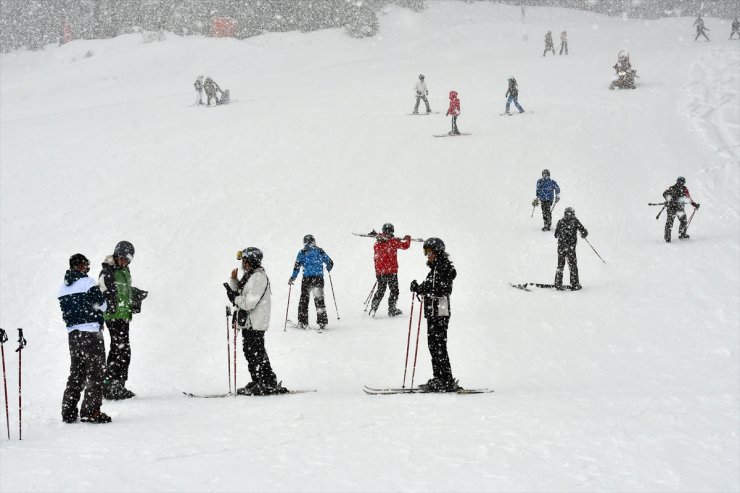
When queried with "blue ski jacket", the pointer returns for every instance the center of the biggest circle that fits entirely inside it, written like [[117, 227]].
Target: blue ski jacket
[[312, 259], [547, 189]]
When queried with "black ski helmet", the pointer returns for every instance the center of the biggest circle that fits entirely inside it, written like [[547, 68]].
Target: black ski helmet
[[434, 244], [545, 172], [569, 211], [421, 76], [253, 256], [388, 229], [309, 240], [77, 259], [124, 249], [681, 180]]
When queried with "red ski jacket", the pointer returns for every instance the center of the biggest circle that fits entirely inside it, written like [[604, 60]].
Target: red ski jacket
[[454, 109], [386, 255]]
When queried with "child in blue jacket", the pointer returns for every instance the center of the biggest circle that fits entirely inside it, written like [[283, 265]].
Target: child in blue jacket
[[312, 259], [548, 194]]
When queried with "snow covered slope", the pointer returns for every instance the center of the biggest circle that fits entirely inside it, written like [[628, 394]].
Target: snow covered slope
[[629, 385]]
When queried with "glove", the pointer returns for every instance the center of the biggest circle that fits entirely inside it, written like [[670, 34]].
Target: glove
[[230, 293], [557, 198], [668, 198], [584, 234], [447, 114], [291, 281], [414, 286], [407, 238], [696, 205], [535, 203]]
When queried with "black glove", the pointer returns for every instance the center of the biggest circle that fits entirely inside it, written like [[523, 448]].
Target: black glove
[[535, 203], [414, 286], [584, 234], [696, 205], [230, 293]]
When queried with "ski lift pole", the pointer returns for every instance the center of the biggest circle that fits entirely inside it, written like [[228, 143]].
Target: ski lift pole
[[21, 345], [3, 340], [592, 248], [332, 295]]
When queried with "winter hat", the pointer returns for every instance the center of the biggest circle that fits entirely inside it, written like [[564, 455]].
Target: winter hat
[[77, 259], [124, 249]]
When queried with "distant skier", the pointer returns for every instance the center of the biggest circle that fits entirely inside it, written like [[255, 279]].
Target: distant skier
[[312, 259], [512, 94], [565, 232], [386, 268], [677, 196], [547, 194], [199, 90], [251, 296], [454, 111], [735, 28], [421, 94], [563, 42], [437, 289], [211, 87], [701, 29], [624, 71], [548, 43], [82, 306]]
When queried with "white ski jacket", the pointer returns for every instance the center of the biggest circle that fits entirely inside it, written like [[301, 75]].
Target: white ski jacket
[[254, 298], [421, 88]]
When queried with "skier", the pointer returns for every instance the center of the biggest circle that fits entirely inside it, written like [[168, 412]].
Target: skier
[[421, 95], [512, 93], [454, 111], [563, 42], [565, 232], [548, 43], [251, 296], [625, 73], [199, 90], [82, 305], [701, 29], [386, 268], [677, 196], [735, 28], [548, 194], [312, 259], [211, 87], [115, 283], [437, 289]]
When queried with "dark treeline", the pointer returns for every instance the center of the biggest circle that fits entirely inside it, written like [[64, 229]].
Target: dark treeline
[[35, 23]]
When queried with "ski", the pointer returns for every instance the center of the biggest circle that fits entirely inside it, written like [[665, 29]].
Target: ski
[[417, 390], [512, 114], [425, 113], [218, 396], [452, 135], [373, 234], [525, 286]]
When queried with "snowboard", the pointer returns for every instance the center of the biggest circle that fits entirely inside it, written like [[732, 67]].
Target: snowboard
[[453, 135], [514, 113], [423, 113]]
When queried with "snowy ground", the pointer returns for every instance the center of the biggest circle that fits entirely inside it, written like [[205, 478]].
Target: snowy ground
[[632, 384]]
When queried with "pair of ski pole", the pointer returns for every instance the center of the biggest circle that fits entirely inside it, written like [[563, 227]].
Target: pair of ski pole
[[408, 342], [21, 345], [370, 296], [287, 308]]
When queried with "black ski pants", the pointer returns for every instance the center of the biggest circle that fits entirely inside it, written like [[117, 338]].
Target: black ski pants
[[546, 213], [87, 365], [119, 355], [670, 217], [548, 47], [567, 252], [454, 125], [315, 286], [437, 342], [253, 344], [386, 280]]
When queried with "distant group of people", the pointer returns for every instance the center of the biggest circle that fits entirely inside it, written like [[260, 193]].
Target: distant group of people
[[701, 29], [549, 46], [211, 89]]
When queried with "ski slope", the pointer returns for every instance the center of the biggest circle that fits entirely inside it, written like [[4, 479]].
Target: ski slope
[[631, 384]]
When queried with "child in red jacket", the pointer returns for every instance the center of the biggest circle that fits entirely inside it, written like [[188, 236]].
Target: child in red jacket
[[386, 268], [454, 110]]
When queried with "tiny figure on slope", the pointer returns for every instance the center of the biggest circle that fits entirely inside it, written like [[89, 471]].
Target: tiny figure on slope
[[252, 298], [83, 305], [122, 299], [512, 95], [701, 29], [454, 111], [677, 196], [547, 195], [421, 94], [625, 73], [565, 232], [211, 87], [548, 44], [735, 28], [563, 42], [437, 289], [312, 259], [386, 268], [199, 90]]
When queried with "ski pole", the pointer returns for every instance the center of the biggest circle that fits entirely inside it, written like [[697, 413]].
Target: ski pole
[[416, 351], [690, 218], [592, 248], [285, 326], [661, 212], [332, 295], [233, 324], [553, 206], [408, 341], [228, 345], [370, 296], [656, 203], [3, 340], [21, 345], [533, 208]]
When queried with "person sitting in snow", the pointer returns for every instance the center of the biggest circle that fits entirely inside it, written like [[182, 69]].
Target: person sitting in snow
[[211, 87]]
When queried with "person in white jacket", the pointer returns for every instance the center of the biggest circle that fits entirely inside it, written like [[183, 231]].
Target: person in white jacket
[[421, 94], [251, 296]]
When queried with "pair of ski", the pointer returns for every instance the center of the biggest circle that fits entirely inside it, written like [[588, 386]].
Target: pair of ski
[[231, 394], [527, 285], [296, 325], [417, 390], [373, 234]]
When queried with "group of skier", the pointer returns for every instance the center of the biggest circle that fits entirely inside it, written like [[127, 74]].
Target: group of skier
[[549, 46], [701, 29], [211, 88]]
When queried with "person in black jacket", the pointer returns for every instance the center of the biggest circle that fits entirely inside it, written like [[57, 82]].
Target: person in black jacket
[[676, 197], [436, 290], [82, 306], [565, 232]]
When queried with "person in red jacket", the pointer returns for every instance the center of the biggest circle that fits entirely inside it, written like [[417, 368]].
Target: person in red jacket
[[454, 110], [386, 268]]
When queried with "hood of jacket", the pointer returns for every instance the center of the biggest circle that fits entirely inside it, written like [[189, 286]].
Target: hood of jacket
[[72, 276]]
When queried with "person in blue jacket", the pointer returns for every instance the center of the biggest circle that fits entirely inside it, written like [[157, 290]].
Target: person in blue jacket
[[312, 259], [548, 194]]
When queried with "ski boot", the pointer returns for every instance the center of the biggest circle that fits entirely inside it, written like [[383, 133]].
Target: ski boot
[[96, 417], [115, 391], [683, 237], [247, 389], [394, 312]]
